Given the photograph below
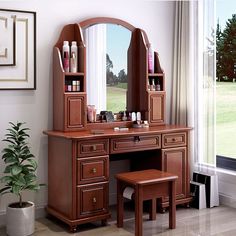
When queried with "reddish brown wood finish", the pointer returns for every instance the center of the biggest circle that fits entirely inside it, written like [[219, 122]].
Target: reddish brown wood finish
[[174, 140], [75, 116], [148, 185], [69, 108], [79, 159], [135, 143], [93, 169], [92, 200], [157, 108], [93, 147], [74, 155]]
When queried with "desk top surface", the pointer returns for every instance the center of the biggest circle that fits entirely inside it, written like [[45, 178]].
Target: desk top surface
[[109, 133]]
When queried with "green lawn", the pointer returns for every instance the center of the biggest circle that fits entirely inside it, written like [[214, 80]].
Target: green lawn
[[226, 119], [116, 98]]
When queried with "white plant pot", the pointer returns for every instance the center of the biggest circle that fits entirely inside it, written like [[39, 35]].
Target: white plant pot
[[20, 221]]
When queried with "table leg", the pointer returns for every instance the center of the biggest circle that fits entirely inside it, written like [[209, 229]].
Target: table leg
[[172, 205], [138, 210], [120, 205], [153, 209]]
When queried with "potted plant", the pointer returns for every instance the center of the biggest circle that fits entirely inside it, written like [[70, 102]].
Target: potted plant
[[19, 175]]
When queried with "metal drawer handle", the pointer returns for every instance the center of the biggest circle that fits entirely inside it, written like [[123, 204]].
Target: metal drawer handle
[[94, 170], [94, 148], [136, 139], [94, 200]]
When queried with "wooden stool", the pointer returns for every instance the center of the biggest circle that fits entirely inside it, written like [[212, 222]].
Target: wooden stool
[[147, 185]]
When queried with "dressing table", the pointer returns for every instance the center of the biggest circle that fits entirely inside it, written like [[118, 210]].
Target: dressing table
[[78, 156]]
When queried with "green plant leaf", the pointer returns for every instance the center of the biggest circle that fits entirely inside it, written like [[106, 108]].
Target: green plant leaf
[[20, 163], [20, 181], [8, 169], [16, 170], [33, 187], [33, 163], [16, 189], [6, 179], [29, 178], [4, 190]]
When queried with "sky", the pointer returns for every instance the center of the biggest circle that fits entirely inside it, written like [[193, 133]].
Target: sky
[[118, 37], [118, 40], [224, 11]]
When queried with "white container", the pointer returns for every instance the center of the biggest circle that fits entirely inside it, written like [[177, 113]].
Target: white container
[[20, 221], [74, 57], [66, 56]]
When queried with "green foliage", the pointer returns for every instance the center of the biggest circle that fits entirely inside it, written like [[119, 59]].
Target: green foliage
[[20, 162], [226, 50]]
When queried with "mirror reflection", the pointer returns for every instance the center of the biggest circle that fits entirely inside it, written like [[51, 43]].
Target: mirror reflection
[[106, 66]]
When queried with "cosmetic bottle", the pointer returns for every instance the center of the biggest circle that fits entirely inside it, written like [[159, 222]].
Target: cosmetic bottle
[[74, 57], [158, 86], [73, 67], [150, 59], [65, 55]]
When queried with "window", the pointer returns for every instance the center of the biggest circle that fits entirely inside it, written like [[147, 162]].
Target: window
[[226, 84]]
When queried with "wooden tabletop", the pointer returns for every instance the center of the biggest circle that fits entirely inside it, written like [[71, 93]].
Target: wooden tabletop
[[111, 133]]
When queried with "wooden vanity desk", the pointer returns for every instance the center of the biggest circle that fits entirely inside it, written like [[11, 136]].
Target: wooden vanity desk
[[78, 158], [79, 167]]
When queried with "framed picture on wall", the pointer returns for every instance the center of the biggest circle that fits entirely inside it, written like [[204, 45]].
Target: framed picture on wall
[[17, 49]]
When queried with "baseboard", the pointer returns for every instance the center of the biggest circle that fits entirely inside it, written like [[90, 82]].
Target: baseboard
[[39, 213], [227, 200]]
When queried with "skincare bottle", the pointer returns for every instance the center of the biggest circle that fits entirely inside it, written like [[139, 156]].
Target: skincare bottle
[[73, 67], [153, 85], [65, 54], [74, 57], [150, 59], [158, 86]]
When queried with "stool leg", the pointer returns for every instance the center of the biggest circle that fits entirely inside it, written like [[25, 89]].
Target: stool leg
[[172, 206], [120, 207], [138, 210], [153, 209]]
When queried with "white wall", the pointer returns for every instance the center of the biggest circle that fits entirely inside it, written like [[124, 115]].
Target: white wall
[[35, 107]]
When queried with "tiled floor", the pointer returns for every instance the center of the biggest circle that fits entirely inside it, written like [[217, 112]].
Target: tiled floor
[[220, 221]]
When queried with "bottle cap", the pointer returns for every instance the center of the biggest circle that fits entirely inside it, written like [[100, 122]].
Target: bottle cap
[[65, 43], [74, 43]]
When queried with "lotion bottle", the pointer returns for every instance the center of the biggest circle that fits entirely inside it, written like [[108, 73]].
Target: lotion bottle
[[74, 57], [150, 59], [65, 55]]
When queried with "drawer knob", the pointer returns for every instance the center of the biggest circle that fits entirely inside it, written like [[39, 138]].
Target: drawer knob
[[94, 148], [173, 139], [136, 139], [94, 200], [94, 170]]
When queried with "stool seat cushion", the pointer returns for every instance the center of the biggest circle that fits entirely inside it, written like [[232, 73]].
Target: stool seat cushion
[[144, 177]]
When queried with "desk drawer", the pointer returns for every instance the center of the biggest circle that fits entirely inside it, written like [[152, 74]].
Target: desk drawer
[[92, 200], [92, 147], [135, 143], [92, 169], [174, 140]]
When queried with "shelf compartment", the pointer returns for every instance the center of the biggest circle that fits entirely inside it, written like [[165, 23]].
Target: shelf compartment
[[74, 82]]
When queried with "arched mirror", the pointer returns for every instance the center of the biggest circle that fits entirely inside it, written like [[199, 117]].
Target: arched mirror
[[106, 71]]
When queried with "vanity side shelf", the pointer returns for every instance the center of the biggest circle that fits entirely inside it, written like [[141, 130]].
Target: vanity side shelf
[[151, 104], [69, 89]]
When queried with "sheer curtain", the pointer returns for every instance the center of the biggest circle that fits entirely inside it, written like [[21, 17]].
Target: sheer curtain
[[193, 86], [95, 41]]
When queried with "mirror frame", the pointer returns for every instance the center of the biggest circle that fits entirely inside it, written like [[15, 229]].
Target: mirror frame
[[109, 20]]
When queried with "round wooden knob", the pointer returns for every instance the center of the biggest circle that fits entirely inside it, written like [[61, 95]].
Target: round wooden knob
[[94, 200], [173, 139]]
